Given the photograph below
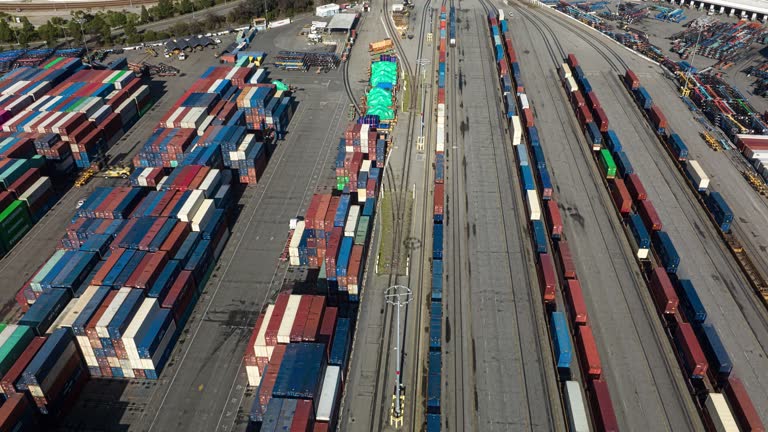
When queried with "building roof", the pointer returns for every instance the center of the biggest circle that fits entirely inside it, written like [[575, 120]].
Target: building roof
[[757, 6], [342, 21]]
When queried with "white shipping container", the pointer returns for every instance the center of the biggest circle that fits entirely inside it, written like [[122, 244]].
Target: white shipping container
[[110, 77], [124, 79], [698, 176], [260, 344], [194, 118], [577, 413], [85, 347], [40, 127], [39, 90], [101, 114], [6, 333], [62, 316], [35, 118], [56, 128], [293, 247], [720, 414], [254, 376], [534, 209], [331, 384], [50, 104], [351, 226], [259, 76], [284, 332], [205, 125], [38, 188], [211, 183], [172, 118], [523, 100], [193, 202], [19, 104], [643, 253], [571, 85], [565, 71], [34, 105], [117, 301], [203, 215], [78, 305], [366, 166], [755, 154], [441, 113], [14, 87], [440, 138], [361, 196], [364, 129], [517, 131], [142, 178], [149, 307]]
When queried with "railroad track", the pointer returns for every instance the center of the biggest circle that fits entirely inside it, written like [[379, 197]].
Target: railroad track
[[397, 186], [347, 83], [519, 220]]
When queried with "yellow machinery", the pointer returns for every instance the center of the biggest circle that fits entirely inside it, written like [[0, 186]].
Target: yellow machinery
[[755, 181], [116, 172], [84, 176], [151, 51], [711, 141]]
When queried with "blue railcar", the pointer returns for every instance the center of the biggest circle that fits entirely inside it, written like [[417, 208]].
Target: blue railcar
[[595, 137], [643, 98], [509, 103], [690, 303], [437, 280], [522, 155], [640, 234], [720, 210], [612, 141], [538, 156], [433, 422], [678, 147], [506, 83], [623, 164], [435, 333], [539, 236], [437, 241], [516, 73], [533, 136], [434, 387], [561, 342], [578, 73], [585, 85], [666, 251], [545, 183], [439, 168], [527, 175], [717, 356]]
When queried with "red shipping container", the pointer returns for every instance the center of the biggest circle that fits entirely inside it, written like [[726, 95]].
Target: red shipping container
[[199, 177], [647, 212], [528, 117], [635, 187], [577, 100], [300, 320], [328, 327], [152, 270], [23, 149], [355, 261], [742, 407], [25, 181], [14, 409], [322, 210], [572, 62], [312, 327], [603, 413], [332, 251], [695, 362], [270, 335], [330, 214], [621, 196], [171, 205], [270, 377], [657, 117], [601, 119], [584, 115], [547, 279], [303, 418], [592, 101], [566, 260], [439, 200], [98, 278], [588, 355], [311, 213], [575, 297], [662, 292], [122, 233], [554, 219], [134, 277], [8, 383], [155, 228], [320, 427], [631, 80]]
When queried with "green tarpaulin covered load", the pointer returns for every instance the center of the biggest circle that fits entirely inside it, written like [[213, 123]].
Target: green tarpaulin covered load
[[280, 86], [380, 103], [384, 74]]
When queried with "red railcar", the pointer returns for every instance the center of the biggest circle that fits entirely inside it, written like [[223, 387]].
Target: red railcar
[[575, 298], [621, 196], [566, 260], [602, 408], [588, 355], [743, 409], [693, 356], [547, 279], [647, 212], [663, 292], [554, 219], [635, 187]]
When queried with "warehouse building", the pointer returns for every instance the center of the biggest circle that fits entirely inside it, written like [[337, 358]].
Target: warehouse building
[[330, 9], [748, 9]]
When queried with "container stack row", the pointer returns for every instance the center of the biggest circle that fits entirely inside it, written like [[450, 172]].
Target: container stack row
[[221, 117], [555, 267], [705, 363], [298, 352]]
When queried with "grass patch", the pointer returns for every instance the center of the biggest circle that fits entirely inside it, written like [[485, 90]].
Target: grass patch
[[384, 263], [407, 92]]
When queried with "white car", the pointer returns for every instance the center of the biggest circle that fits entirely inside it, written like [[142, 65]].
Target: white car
[[79, 204]]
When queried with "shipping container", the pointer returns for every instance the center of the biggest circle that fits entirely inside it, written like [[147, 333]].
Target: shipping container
[[566, 260], [665, 251], [561, 342], [635, 187], [717, 356], [588, 355], [547, 280], [662, 292], [743, 409], [639, 235], [607, 165], [603, 413], [554, 219], [576, 305], [697, 175], [718, 415], [621, 196], [574, 405], [691, 354], [690, 304], [647, 211]]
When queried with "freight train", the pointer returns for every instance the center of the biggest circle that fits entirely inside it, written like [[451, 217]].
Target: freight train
[[538, 192], [702, 357]]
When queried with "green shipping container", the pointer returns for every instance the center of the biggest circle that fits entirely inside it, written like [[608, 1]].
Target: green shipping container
[[361, 235], [3, 326], [14, 346], [117, 76], [15, 221], [13, 171], [607, 164], [75, 105], [54, 62]]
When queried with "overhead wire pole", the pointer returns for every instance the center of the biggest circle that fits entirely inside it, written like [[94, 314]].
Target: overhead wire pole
[[398, 296], [422, 62]]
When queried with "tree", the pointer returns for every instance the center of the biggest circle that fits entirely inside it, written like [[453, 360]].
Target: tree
[[185, 7], [73, 30], [145, 17], [49, 33], [6, 32], [27, 32], [164, 9]]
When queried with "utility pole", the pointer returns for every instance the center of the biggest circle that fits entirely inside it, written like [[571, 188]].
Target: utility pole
[[685, 91], [422, 63], [398, 296]]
